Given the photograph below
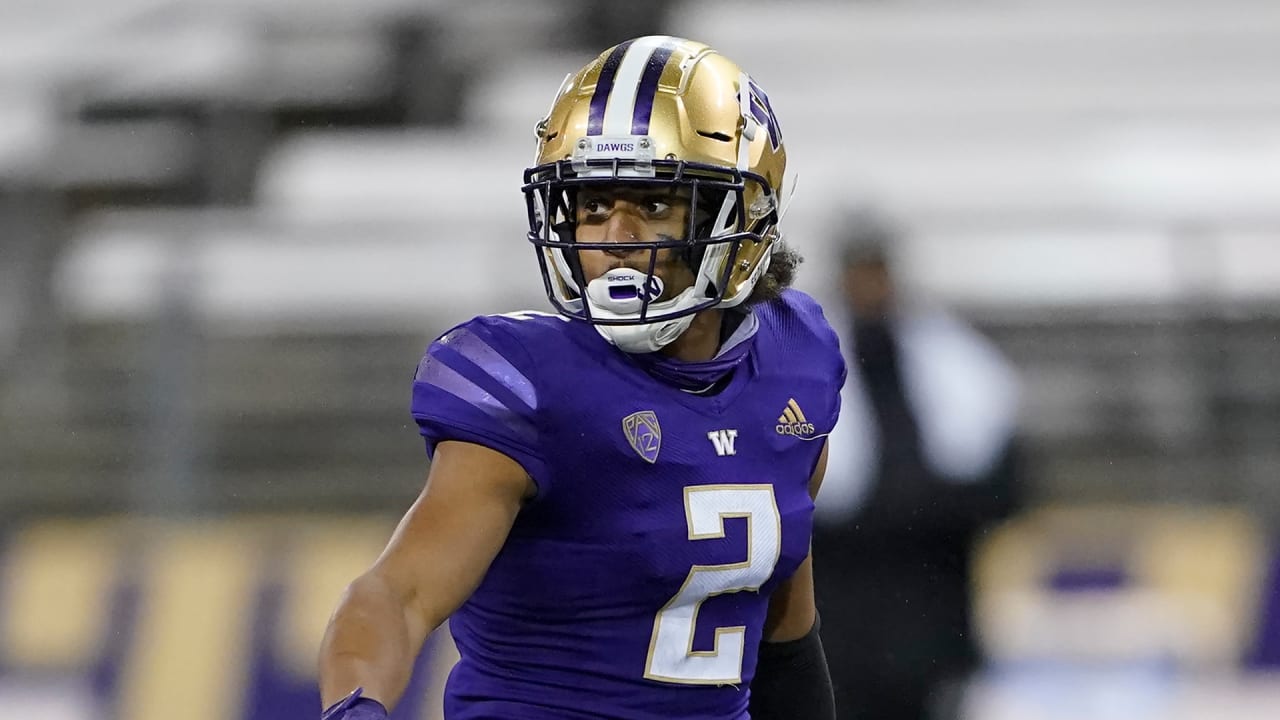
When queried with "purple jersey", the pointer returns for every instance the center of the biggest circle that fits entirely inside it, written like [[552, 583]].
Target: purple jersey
[[635, 584]]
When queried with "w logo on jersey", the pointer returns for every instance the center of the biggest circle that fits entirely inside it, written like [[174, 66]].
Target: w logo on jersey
[[644, 434], [723, 441]]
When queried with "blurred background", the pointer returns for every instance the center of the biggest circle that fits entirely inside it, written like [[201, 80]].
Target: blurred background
[[1049, 231]]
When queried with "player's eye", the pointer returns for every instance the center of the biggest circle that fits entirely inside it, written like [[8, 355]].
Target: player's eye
[[657, 208], [593, 206]]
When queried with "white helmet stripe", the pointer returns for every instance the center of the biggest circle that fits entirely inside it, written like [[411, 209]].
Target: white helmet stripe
[[622, 99]]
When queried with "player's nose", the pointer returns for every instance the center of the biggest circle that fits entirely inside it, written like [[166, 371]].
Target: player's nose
[[623, 226]]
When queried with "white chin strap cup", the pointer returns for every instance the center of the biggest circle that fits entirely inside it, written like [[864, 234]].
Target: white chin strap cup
[[620, 295], [647, 338]]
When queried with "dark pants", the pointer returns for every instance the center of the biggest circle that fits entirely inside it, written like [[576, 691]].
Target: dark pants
[[895, 619]]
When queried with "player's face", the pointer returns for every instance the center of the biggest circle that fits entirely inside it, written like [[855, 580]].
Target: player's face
[[631, 214]]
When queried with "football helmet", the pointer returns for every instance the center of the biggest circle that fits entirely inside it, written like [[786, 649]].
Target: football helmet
[[669, 111]]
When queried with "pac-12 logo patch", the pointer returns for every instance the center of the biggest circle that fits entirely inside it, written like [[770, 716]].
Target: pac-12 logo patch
[[644, 434]]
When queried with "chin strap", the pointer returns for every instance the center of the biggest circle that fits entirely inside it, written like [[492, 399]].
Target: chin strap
[[622, 295], [647, 338]]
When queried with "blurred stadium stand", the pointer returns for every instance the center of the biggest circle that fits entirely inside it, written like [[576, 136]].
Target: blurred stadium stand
[[199, 620], [228, 229]]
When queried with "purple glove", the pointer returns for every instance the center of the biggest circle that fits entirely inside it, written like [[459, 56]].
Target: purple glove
[[355, 707]]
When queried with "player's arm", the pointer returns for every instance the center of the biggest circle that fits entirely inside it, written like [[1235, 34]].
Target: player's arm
[[435, 559], [792, 679]]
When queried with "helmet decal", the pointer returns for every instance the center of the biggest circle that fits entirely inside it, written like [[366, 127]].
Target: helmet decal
[[762, 111]]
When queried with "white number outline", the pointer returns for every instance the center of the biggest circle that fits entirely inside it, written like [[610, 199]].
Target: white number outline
[[706, 508]]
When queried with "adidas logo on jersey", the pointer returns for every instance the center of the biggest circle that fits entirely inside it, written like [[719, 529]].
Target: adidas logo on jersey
[[793, 422]]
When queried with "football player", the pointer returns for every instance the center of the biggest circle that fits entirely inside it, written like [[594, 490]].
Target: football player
[[617, 518]]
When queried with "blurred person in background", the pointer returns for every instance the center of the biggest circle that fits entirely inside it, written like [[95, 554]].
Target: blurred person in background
[[618, 513], [923, 459]]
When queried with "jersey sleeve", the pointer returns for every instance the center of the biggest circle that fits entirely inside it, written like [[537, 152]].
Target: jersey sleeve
[[477, 383]]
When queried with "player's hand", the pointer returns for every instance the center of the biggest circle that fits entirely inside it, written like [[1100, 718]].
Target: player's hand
[[355, 707]]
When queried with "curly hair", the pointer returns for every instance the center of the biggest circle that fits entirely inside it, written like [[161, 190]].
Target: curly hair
[[781, 273]]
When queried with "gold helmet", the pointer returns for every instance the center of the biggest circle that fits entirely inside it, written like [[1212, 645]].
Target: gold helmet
[[670, 111]]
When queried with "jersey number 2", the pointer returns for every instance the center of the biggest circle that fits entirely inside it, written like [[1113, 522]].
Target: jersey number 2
[[671, 654]]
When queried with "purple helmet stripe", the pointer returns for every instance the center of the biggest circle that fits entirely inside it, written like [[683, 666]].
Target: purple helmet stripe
[[604, 86], [649, 89]]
